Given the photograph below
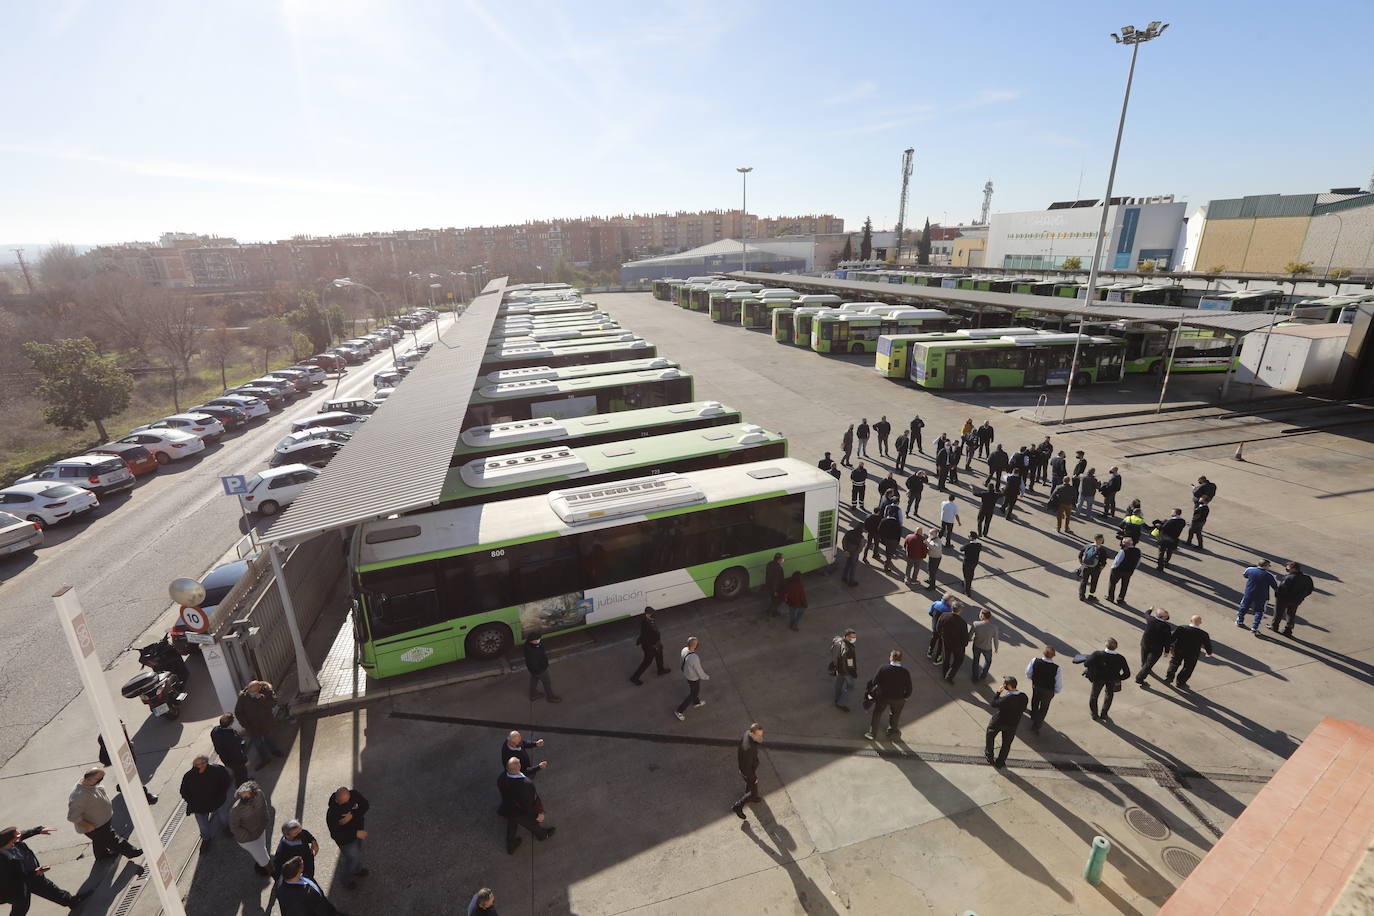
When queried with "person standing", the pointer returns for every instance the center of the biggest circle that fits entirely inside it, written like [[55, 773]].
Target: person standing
[[903, 446], [935, 552], [847, 445], [298, 893], [971, 446], [987, 506], [984, 643], [296, 843], [1170, 531], [851, 544], [1132, 524], [516, 746], [1187, 644], [795, 596], [858, 481], [694, 674], [889, 535], [1011, 492], [944, 459], [24, 877], [1109, 490], [537, 664], [949, 517], [1080, 464], [871, 523], [973, 550], [889, 688], [747, 758], [1105, 669], [1059, 469], [1205, 489], [883, 429], [826, 463], [1007, 708], [89, 808], [998, 462], [248, 824], [650, 643], [346, 818], [888, 491], [1047, 679], [938, 608], [861, 434], [1123, 567], [208, 790], [255, 711], [774, 580], [521, 806], [1062, 498], [956, 451], [915, 486], [1294, 587], [917, 424], [228, 744], [1091, 560], [483, 903], [1259, 582], [916, 548], [985, 437], [1201, 510], [1154, 640], [953, 630], [844, 665], [966, 428], [1087, 494]]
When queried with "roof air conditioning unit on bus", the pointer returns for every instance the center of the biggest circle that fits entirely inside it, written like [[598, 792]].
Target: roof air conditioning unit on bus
[[509, 433], [516, 389], [508, 469], [625, 497], [525, 372]]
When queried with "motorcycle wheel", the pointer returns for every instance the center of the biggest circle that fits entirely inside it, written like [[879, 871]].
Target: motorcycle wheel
[[173, 713]]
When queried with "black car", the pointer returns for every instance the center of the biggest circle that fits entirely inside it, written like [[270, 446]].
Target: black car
[[272, 397], [231, 417], [317, 454]]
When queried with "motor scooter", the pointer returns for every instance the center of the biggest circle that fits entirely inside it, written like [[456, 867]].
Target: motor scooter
[[161, 688]]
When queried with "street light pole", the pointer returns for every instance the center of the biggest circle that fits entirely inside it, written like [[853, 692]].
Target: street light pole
[[743, 210], [345, 281], [1135, 38]]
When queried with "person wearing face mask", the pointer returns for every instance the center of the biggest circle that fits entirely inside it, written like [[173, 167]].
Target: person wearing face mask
[[844, 665], [88, 807]]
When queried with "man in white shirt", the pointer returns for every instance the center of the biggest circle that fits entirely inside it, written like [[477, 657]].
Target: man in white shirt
[[949, 517], [1047, 679]]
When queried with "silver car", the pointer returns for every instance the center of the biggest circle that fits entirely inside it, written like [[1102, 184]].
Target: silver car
[[17, 534]]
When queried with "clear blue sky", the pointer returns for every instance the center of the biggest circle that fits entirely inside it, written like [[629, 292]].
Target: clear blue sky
[[262, 120]]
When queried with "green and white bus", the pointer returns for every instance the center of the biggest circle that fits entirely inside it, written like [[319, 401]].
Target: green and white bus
[[540, 432], [851, 333], [601, 338], [804, 320], [1155, 294], [725, 307], [471, 582], [758, 313], [1030, 361], [555, 467], [549, 321], [564, 373], [660, 288], [1246, 300], [514, 357], [531, 309], [564, 332], [784, 318], [1034, 287], [581, 397], [894, 350]]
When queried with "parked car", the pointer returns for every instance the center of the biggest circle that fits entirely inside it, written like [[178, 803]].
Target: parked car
[[166, 444], [314, 452], [313, 434], [255, 407], [136, 458], [219, 582], [315, 373], [361, 346], [46, 503], [336, 420], [101, 474], [231, 418], [287, 388], [350, 405], [270, 397], [329, 362], [349, 354], [17, 534], [388, 378], [381, 394], [201, 424], [273, 490], [407, 359], [299, 379], [424, 348]]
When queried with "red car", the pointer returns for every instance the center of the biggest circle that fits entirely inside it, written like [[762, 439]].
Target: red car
[[139, 459], [328, 362]]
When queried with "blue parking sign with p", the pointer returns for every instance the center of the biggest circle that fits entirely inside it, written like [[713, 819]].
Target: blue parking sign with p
[[235, 484]]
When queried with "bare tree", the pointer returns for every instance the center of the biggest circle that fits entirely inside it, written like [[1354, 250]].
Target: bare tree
[[220, 347], [61, 268], [173, 328], [269, 335], [118, 304]]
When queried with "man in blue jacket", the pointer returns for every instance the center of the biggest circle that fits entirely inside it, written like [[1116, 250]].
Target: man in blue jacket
[[1259, 583]]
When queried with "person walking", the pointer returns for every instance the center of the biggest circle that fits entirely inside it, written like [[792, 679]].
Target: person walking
[[1123, 567], [1170, 531], [747, 758], [847, 445], [521, 806], [1008, 706], [346, 819], [916, 548], [795, 596], [871, 523], [1205, 489], [1132, 524], [935, 552], [844, 666], [1011, 492], [1259, 582], [983, 643], [953, 630], [1091, 560], [694, 674], [255, 711], [938, 608], [774, 579], [966, 428], [1046, 679], [944, 460], [915, 486], [917, 424], [1155, 639], [1080, 464], [516, 746], [248, 824], [1187, 644], [973, 550], [850, 545], [89, 808], [890, 535], [861, 434], [1087, 494], [949, 517], [883, 429], [1059, 469], [889, 491], [998, 462], [1201, 510], [208, 790], [889, 689], [988, 498], [1105, 669], [1294, 587], [24, 877], [296, 843], [1109, 491], [985, 437], [1062, 498], [228, 744], [826, 463], [971, 446], [537, 665], [903, 446], [103, 755], [483, 903], [650, 643], [858, 481], [299, 894]]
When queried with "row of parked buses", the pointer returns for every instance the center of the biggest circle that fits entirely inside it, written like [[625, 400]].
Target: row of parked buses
[[588, 481]]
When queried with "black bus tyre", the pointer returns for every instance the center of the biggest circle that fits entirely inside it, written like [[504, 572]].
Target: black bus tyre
[[490, 640], [1082, 379], [731, 583], [981, 383], [1156, 367], [856, 348]]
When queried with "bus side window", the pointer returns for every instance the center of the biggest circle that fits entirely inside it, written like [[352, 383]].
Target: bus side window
[[547, 568], [411, 600], [612, 555], [479, 582]]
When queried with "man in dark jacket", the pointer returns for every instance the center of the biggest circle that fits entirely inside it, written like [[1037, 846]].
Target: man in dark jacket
[[903, 447], [516, 746], [861, 437], [345, 818], [1047, 679], [844, 666], [537, 664], [1087, 493], [1080, 465], [915, 486], [1007, 708], [208, 791], [1110, 488], [1061, 500], [1170, 531], [747, 756], [255, 712], [972, 553], [852, 544], [987, 505], [521, 806], [858, 482], [228, 743], [883, 429], [1011, 492], [847, 446], [300, 895], [651, 644], [1059, 469], [1158, 634], [985, 437], [1123, 567], [296, 843], [1188, 643], [1294, 587], [1104, 669], [1205, 489], [917, 424], [889, 536], [826, 463], [21, 875], [953, 631], [871, 523], [889, 688], [1201, 510], [945, 459], [998, 462], [773, 581], [1091, 559]]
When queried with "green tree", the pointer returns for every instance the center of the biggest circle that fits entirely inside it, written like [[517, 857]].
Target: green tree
[[847, 252], [866, 241], [79, 385], [1146, 266], [1217, 269], [923, 246], [1297, 268], [311, 321], [1073, 263], [1338, 273]]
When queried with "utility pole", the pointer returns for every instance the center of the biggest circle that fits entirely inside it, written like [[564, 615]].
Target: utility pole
[[24, 269], [987, 204], [907, 155]]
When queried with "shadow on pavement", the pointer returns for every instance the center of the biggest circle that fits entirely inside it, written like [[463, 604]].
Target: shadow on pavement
[[781, 848]]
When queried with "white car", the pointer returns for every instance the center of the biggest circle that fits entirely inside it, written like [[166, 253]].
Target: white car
[[46, 503], [101, 474], [200, 424], [271, 491], [167, 444], [312, 433], [335, 420], [316, 374], [17, 534], [408, 358], [254, 407], [299, 378], [381, 394]]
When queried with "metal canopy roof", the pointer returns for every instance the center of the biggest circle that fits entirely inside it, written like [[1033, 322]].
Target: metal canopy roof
[[398, 460], [1229, 322]]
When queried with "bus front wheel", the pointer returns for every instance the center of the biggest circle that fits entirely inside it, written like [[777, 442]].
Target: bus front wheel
[[490, 640], [1082, 379], [856, 348], [731, 583], [981, 383]]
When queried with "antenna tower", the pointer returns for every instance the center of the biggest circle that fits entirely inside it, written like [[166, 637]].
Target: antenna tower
[[987, 204], [907, 156]]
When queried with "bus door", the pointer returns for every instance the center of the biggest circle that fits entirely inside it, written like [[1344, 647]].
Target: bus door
[[956, 368], [1037, 365]]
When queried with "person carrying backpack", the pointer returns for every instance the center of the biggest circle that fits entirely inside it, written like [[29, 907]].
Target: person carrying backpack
[[844, 665]]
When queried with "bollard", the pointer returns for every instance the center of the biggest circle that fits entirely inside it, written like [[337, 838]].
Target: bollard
[[1092, 872], [1240, 452]]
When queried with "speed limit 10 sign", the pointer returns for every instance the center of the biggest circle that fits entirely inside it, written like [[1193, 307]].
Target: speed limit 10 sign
[[194, 619]]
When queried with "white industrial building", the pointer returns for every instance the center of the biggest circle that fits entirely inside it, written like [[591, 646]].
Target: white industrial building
[[1138, 229]]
